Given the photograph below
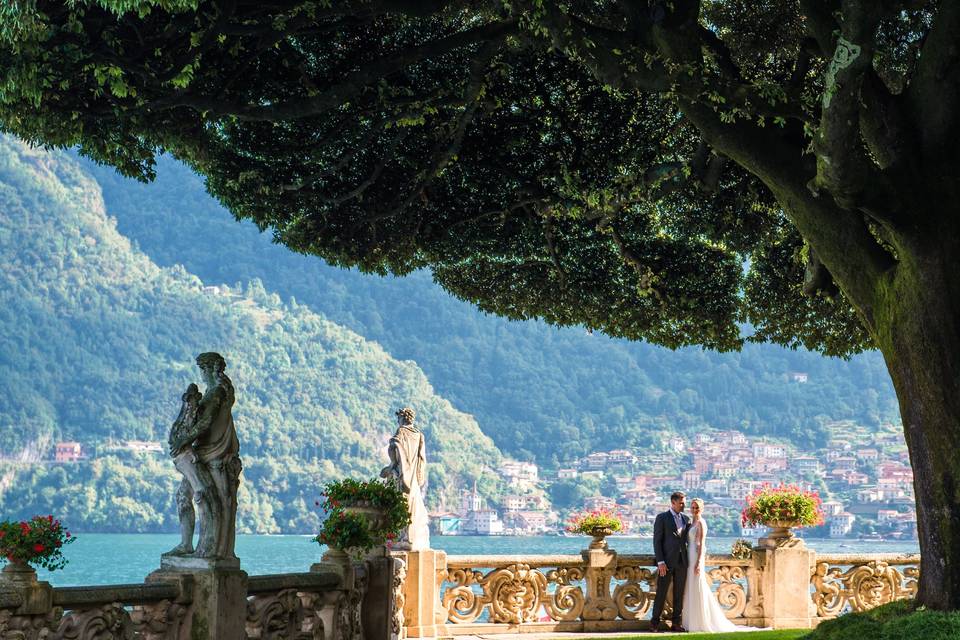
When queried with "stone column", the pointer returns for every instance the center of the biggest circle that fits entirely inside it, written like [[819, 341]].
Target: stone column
[[785, 582], [219, 607], [26, 604], [422, 612], [599, 606]]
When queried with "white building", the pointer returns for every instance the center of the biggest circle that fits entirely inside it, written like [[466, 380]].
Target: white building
[[519, 474], [483, 522], [715, 487], [841, 524]]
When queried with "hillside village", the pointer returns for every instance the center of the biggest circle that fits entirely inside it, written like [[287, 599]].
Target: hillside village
[[864, 478]]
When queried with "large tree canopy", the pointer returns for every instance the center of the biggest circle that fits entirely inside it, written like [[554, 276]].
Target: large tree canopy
[[660, 170]]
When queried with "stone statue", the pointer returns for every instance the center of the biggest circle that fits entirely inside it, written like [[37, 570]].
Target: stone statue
[[204, 446], [408, 468]]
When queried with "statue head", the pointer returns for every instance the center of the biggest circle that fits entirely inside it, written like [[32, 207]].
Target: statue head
[[212, 365], [405, 416]]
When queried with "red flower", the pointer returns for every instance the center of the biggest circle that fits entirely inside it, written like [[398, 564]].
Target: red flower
[[24, 528], [39, 548], [68, 534]]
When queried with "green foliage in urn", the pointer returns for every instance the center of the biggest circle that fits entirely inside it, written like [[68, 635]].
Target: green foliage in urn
[[595, 522], [38, 541], [741, 549], [786, 505], [362, 515]]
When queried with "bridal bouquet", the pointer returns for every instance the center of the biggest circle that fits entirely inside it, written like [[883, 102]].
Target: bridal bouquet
[[37, 541], [785, 505], [741, 549], [592, 523]]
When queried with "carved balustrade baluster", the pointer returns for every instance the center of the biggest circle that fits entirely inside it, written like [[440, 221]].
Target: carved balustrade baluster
[[29, 627], [158, 621], [567, 601], [397, 583], [730, 594], [106, 622], [632, 600], [862, 587], [275, 616]]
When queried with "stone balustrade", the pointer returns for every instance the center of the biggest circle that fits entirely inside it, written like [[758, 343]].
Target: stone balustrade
[[427, 593], [490, 594], [782, 585], [844, 583], [323, 604]]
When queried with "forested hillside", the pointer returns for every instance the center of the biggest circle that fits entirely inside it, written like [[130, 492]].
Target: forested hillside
[[527, 383], [97, 343]]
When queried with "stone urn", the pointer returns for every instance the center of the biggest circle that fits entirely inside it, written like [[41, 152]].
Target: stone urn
[[19, 572], [599, 535], [779, 534], [375, 516]]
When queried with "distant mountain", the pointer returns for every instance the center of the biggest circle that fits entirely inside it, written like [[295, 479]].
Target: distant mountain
[[97, 343], [540, 392]]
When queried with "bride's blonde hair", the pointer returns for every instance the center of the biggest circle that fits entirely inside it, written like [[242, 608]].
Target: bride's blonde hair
[[698, 501]]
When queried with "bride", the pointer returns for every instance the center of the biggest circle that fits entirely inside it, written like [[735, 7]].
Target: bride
[[701, 611]]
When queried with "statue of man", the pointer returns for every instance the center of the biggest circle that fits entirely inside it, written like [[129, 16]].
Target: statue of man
[[204, 446], [408, 468]]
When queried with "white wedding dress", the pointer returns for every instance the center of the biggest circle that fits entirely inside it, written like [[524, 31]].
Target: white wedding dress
[[701, 611]]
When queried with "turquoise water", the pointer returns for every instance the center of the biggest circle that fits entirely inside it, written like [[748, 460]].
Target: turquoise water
[[109, 558]]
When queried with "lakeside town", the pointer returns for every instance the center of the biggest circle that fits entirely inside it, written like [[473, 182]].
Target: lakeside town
[[863, 476]]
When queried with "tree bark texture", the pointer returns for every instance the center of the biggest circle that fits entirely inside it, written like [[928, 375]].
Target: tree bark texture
[[918, 331]]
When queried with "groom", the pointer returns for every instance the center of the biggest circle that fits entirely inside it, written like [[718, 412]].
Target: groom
[[670, 549]]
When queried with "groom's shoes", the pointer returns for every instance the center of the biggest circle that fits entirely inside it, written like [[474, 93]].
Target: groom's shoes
[[655, 628], [678, 629]]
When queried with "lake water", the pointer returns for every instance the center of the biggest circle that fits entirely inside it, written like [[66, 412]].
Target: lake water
[[108, 558]]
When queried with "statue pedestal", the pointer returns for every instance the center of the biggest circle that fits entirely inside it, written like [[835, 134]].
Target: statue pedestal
[[422, 613], [189, 563], [219, 586]]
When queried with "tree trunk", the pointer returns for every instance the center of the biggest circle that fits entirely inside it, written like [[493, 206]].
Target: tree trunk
[[917, 327]]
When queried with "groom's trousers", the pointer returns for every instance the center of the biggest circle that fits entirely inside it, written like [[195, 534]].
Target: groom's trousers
[[678, 576]]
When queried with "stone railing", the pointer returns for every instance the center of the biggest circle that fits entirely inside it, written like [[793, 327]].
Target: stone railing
[[490, 594], [323, 604], [843, 583], [301, 606], [148, 611], [782, 585]]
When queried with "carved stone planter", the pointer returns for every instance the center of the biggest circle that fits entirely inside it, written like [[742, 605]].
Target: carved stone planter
[[374, 515], [780, 534], [600, 537], [19, 572]]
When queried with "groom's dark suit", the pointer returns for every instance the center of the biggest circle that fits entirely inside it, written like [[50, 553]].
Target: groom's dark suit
[[670, 547]]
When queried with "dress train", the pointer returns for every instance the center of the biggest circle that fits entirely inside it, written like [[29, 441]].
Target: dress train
[[701, 611]]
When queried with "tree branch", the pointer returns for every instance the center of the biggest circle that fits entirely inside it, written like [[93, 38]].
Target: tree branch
[[841, 238], [934, 93], [349, 87]]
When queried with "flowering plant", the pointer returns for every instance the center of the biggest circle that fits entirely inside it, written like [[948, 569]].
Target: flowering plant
[[784, 503], [347, 527], [741, 549], [594, 522], [37, 541]]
